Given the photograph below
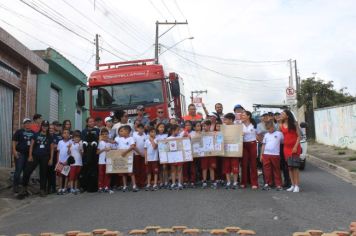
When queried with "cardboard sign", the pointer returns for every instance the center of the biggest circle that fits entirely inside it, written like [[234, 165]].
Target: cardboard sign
[[175, 150], [208, 144], [63, 169], [233, 140], [116, 163]]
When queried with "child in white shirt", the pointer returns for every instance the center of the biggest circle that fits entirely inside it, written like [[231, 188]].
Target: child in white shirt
[[270, 157], [76, 151], [103, 147], [124, 141], [63, 149], [151, 160], [139, 157]]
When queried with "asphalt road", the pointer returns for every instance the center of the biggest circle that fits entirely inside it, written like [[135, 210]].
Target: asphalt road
[[326, 203]]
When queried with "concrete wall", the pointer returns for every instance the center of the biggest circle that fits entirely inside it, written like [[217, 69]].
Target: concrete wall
[[336, 126]]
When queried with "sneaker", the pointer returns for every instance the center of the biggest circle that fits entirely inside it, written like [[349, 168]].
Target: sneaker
[[111, 191], [106, 190], [279, 188], [192, 185], [266, 187], [161, 185], [77, 190], [227, 185], [291, 189], [185, 184], [124, 189], [73, 191], [204, 185], [148, 187], [296, 189], [235, 185], [134, 189], [214, 185], [155, 188], [180, 187], [173, 186], [100, 190]]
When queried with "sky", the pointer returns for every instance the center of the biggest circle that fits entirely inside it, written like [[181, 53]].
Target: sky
[[240, 49]]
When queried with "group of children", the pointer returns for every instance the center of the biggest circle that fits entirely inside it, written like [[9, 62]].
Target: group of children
[[148, 172]]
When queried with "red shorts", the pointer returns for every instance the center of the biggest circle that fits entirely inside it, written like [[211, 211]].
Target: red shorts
[[152, 167], [231, 165], [178, 164], [208, 162], [74, 172]]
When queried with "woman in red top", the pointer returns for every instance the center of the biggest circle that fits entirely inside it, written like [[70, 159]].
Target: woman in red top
[[289, 128]]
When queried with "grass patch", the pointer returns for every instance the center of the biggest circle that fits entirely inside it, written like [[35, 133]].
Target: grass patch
[[353, 170], [352, 158], [341, 153], [340, 148]]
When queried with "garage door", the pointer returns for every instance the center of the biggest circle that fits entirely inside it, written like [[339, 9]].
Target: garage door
[[6, 110], [53, 105]]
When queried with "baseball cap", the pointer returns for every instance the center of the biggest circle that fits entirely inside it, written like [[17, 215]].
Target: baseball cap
[[238, 106], [107, 119], [140, 107], [26, 120]]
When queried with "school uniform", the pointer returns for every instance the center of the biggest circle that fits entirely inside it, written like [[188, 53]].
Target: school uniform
[[75, 151], [41, 156], [152, 166], [189, 168], [103, 179], [23, 138], [249, 157], [271, 158], [178, 164], [139, 161], [125, 143]]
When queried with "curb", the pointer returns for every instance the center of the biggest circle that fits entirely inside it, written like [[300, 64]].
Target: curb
[[336, 170]]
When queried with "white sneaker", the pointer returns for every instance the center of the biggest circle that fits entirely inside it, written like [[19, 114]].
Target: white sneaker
[[296, 189], [291, 189]]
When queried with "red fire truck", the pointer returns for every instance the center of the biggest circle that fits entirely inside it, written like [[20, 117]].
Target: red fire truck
[[125, 85]]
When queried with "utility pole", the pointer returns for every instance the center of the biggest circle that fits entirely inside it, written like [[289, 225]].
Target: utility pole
[[297, 78], [291, 73], [158, 36], [97, 57], [197, 92]]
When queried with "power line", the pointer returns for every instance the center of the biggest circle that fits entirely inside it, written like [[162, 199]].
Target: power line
[[214, 71], [154, 6], [164, 4]]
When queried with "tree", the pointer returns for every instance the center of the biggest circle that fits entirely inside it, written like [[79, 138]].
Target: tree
[[325, 93]]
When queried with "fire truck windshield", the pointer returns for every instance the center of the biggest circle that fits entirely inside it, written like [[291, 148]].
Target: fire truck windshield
[[126, 95]]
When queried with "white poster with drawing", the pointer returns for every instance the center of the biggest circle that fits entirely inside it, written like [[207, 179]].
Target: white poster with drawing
[[208, 144], [175, 150]]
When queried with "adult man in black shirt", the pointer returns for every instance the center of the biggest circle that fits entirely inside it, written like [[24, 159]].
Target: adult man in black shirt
[[21, 142]]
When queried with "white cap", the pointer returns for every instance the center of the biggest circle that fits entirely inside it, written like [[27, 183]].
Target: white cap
[[26, 120], [108, 119]]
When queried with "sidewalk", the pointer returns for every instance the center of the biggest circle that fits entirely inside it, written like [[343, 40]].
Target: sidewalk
[[338, 161]]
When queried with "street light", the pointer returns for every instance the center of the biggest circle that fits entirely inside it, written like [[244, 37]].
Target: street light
[[190, 38]]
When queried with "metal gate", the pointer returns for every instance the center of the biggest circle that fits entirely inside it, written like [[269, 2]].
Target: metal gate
[[6, 111], [53, 104]]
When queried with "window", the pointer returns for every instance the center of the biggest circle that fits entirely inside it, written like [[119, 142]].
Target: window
[[126, 95]]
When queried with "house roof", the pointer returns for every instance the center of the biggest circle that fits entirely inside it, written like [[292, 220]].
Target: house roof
[[60, 62], [11, 44]]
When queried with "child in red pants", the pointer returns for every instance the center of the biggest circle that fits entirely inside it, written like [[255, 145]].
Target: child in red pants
[[151, 160], [103, 147], [208, 162], [270, 157]]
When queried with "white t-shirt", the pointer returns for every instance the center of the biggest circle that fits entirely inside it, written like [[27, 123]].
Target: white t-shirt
[[160, 137], [272, 142], [249, 133], [75, 151], [140, 142], [152, 154], [124, 143], [102, 156], [62, 148]]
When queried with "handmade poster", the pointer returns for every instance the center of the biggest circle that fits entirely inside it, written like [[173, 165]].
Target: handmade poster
[[175, 150], [116, 163], [233, 141], [208, 144], [63, 169]]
